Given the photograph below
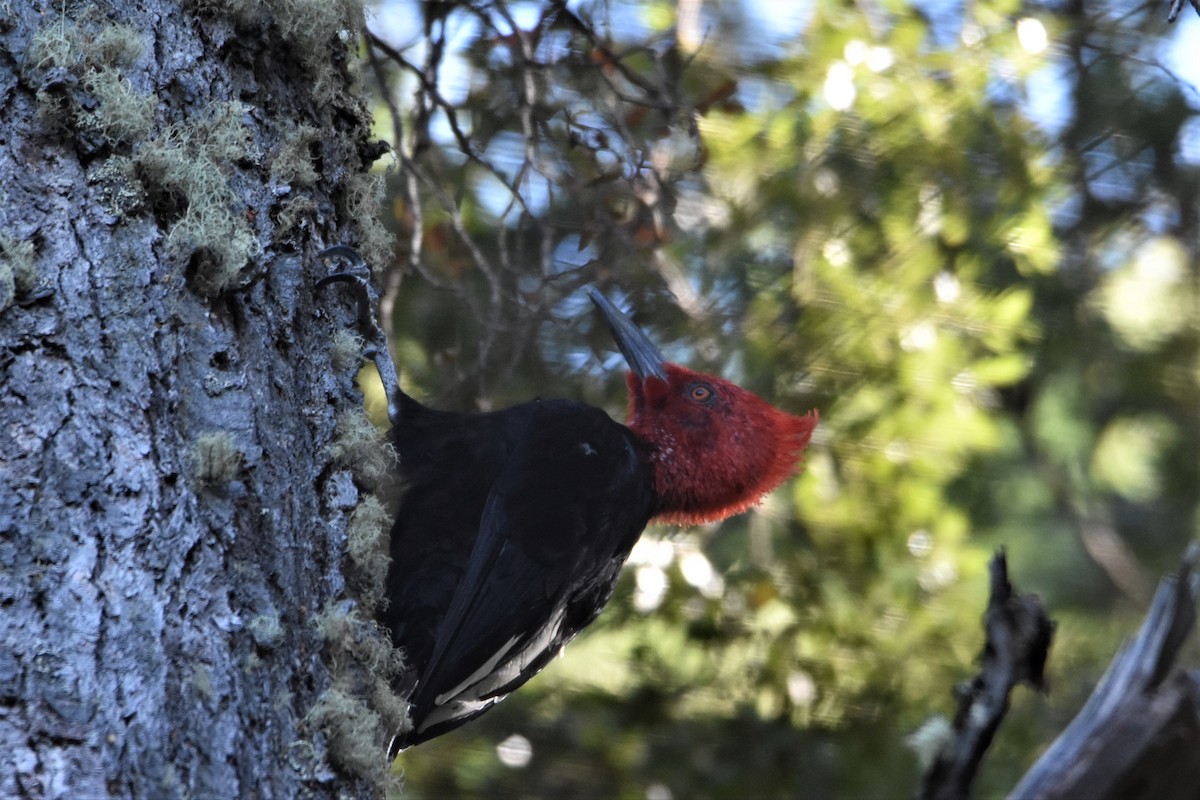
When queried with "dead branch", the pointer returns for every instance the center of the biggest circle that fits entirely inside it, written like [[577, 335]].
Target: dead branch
[[1018, 639], [1137, 735]]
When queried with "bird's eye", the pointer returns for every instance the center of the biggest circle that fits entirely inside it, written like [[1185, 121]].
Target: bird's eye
[[702, 393]]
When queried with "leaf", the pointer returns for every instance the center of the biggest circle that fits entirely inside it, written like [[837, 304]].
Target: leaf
[[1002, 370]]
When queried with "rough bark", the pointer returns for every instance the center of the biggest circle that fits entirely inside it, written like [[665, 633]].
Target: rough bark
[[1137, 734], [171, 516], [1135, 737]]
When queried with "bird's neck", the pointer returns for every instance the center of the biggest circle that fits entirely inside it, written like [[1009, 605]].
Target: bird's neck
[[691, 488], [699, 477]]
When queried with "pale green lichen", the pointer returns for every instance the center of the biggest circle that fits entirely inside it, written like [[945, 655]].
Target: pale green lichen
[[117, 184], [366, 544], [320, 34], [352, 641], [266, 631], [293, 162], [356, 737], [294, 215], [202, 681], [57, 44], [187, 166], [122, 114], [363, 202], [362, 447], [18, 269], [115, 45], [345, 351], [95, 54], [82, 70], [310, 27], [359, 712], [216, 459]]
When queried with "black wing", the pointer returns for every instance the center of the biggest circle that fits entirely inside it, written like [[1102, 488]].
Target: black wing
[[558, 524]]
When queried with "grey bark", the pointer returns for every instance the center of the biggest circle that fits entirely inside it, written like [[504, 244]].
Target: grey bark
[[1138, 735], [157, 581]]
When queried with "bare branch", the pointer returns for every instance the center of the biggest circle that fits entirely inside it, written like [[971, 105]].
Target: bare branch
[[1018, 639], [1177, 6], [1137, 734], [590, 153]]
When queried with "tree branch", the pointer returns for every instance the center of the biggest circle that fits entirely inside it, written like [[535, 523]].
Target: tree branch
[[1177, 6], [1137, 734], [1018, 639]]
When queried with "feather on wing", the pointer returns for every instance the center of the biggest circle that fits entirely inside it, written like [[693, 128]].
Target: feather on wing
[[558, 523]]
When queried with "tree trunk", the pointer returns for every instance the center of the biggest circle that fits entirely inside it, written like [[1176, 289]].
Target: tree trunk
[[172, 515]]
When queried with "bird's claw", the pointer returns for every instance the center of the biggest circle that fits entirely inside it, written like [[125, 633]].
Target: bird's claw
[[368, 326], [344, 251], [364, 294]]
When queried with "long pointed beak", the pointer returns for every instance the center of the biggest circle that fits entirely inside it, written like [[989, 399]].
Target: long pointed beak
[[640, 353]]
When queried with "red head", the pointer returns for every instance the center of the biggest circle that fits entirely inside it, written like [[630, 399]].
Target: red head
[[715, 447]]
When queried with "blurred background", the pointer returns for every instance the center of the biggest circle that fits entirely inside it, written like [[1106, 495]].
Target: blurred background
[[967, 233]]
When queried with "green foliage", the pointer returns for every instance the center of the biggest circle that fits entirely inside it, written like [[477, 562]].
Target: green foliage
[[994, 311]]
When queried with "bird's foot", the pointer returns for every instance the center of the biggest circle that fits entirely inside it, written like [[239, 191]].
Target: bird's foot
[[368, 326]]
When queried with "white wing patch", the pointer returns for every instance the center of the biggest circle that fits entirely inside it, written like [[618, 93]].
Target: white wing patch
[[479, 691], [476, 676]]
